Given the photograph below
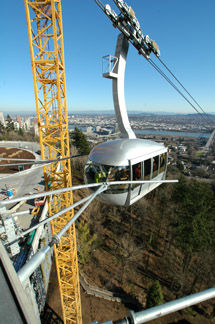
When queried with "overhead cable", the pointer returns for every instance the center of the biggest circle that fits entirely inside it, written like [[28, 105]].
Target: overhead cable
[[100, 4], [175, 87], [128, 24], [185, 90]]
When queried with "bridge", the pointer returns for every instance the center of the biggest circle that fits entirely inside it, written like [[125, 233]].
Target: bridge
[[208, 144]]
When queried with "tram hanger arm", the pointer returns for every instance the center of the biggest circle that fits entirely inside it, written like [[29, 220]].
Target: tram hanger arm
[[110, 183]]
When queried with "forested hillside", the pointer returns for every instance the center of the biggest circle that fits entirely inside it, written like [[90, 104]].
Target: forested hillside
[[167, 237]]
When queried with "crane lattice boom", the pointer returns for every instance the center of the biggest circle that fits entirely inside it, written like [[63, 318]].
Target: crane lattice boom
[[44, 20]]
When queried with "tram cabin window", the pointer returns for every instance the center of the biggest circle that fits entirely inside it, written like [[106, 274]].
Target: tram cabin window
[[163, 159], [95, 172], [136, 173], [155, 166], [118, 173], [147, 169]]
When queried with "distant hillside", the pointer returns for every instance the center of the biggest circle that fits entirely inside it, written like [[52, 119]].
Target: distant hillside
[[131, 112], [112, 112], [106, 112]]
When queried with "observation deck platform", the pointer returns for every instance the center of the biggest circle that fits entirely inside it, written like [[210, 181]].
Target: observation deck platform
[[15, 307]]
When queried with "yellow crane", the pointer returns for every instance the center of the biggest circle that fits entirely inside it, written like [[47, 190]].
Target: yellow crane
[[44, 21]]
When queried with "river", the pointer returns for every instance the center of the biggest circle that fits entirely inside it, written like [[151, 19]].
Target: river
[[171, 133], [155, 132]]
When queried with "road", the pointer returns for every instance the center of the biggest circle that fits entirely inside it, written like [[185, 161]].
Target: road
[[24, 182], [31, 146], [27, 181]]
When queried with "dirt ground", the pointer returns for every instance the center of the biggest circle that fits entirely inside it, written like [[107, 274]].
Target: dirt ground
[[97, 309], [13, 153], [92, 308]]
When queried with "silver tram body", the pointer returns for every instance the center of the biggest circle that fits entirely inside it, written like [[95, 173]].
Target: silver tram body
[[123, 160], [127, 158]]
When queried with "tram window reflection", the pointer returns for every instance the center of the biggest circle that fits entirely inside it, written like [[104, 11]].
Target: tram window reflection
[[155, 166], [119, 173], [147, 169], [95, 172]]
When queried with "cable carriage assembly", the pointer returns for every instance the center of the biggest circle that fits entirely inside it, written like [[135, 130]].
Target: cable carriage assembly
[[129, 26], [138, 165]]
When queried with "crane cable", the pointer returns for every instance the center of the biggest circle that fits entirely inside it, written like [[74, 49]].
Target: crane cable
[[33, 162]]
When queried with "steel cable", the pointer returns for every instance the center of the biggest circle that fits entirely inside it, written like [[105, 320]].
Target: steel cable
[[174, 86], [185, 90]]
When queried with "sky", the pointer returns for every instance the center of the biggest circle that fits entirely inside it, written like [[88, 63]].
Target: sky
[[183, 29]]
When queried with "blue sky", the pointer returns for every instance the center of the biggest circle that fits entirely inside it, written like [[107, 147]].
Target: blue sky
[[183, 29]]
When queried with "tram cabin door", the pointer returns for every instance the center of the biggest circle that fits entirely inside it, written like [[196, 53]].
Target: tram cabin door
[[140, 171]]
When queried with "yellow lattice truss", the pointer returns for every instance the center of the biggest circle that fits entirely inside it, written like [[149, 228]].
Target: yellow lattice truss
[[44, 20]]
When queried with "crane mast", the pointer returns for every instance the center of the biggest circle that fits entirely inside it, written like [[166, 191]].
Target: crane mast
[[44, 21]]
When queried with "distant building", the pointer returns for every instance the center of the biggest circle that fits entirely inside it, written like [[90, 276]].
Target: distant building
[[89, 130], [2, 118], [182, 148], [19, 121], [27, 124], [35, 128], [16, 125], [104, 131], [116, 129]]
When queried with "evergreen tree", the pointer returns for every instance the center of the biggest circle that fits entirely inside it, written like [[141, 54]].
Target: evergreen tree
[[9, 124], [80, 141], [155, 295], [85, 240], [2, 128], [21, 132], [180, 190], [195, 216], [180, 165]]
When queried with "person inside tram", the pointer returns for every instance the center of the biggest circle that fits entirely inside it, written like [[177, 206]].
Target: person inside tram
[[155, 166], [137, 172], [100, 176], [117, 175], [124, 174]]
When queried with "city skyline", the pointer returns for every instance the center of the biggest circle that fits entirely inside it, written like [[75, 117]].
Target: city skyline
[[181, 29]]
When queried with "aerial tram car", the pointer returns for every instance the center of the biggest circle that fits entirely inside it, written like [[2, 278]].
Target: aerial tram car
[[138, 165], [127, 160]]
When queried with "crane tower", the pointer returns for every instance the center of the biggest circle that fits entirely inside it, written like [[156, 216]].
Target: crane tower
[[44, 21]]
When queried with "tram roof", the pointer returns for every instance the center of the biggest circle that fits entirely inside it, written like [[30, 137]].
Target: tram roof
[[118, 152]]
